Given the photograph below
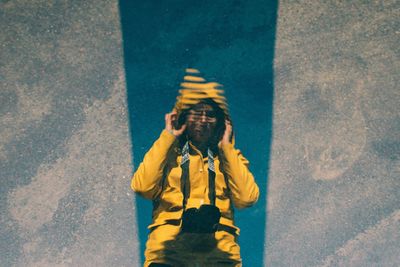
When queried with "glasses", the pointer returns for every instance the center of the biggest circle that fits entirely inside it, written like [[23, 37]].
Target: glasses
[[209, 116]]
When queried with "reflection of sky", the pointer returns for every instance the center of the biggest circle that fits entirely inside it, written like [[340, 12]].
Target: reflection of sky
[[229, 44]]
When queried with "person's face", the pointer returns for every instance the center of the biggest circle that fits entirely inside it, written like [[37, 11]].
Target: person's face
[[201, 123]]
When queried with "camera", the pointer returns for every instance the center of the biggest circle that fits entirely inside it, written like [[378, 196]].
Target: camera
[[202, 220]]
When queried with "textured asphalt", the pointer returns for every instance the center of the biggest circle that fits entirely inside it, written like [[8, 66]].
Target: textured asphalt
[[334, 187], [333, 192], [65, 146]]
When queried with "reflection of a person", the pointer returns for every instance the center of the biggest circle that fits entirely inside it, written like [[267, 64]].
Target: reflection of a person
[[197, 135]]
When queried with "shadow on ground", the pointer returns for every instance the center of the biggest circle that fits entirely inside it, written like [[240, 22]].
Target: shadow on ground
[[232, 44]]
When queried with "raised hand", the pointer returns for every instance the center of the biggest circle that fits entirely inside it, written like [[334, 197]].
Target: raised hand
[[226, 138], [170, 119]]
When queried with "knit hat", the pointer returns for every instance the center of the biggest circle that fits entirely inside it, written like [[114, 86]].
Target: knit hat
[[195, 89]]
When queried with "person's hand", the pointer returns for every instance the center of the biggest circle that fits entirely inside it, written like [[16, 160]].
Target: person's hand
[[170, 119], [226, 138]]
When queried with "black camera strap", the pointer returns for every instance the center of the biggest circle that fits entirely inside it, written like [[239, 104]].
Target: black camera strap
[[211, 177], [185, 181]]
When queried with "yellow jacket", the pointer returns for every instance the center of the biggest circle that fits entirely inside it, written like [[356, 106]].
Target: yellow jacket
[[159, 175]]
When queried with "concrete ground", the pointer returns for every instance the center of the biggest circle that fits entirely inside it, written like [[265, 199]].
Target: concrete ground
[[65, 146], [334, 190]]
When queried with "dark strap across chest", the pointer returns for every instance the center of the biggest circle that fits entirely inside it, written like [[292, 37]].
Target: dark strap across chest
[[185, 179]]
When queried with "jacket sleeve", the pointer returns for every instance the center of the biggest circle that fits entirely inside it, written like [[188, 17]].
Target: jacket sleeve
[[147, 179], [244, 190]]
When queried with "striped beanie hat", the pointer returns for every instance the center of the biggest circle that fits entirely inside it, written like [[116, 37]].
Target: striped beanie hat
[[195, 88]]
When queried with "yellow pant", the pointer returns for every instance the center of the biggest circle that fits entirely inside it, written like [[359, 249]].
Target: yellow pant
[[166, 245]]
